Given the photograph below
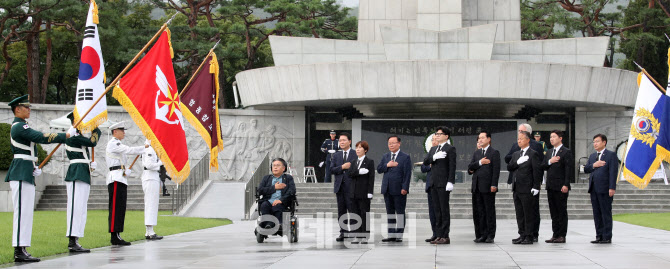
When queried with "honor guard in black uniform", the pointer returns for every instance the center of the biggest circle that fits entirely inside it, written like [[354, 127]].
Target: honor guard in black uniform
[[329, 147]]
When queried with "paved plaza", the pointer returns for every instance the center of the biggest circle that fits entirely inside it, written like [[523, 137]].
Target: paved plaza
[[234, 246]]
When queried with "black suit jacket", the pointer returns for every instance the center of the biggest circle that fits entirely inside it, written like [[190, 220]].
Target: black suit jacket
[[362, 184], [528, 175], [485, 176], [603, 178], [536, 146], [558, 174], [336, 168], [442, 170], [266, 188]]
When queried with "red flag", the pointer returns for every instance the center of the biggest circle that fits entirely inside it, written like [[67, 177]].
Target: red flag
[[149, 93], [201, 107]]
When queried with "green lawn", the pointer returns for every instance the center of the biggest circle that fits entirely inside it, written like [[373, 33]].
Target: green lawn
[[49, 230], [651, 220]]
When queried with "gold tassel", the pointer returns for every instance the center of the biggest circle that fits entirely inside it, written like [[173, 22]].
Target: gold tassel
[[95, 12], [170, 42]]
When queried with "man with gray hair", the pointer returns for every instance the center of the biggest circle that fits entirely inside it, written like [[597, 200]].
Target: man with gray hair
[[527, 168], [537, 147]]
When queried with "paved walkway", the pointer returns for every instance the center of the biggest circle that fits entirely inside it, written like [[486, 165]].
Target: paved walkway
[[234, 246]]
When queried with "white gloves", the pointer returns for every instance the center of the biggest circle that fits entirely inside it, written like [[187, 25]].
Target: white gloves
[[439, 155], [522, 159], [93, 165], [321, 164], [128, 172], [534, 192], [450, 186], [72, 131], [331, 151], [363, 171], [37, 172], [369, 195]]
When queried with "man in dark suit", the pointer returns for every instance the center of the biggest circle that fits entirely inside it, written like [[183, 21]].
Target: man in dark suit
[[527, 168], [397, 169], [363, 182], [602, 166], [329, 146], [537, 147], [442, 159], [431, 209], [341, 162], [558, 164], [485, 167]]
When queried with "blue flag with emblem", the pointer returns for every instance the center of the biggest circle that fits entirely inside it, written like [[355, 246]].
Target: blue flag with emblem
[[649, 138]]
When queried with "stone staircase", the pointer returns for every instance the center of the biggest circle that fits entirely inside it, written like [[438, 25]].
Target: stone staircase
[[319, 197], [55, 198]]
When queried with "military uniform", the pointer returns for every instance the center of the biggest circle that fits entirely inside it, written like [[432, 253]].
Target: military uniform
[[151, 185], [329, 147], [117, 184], [21, 177], [78, 185]]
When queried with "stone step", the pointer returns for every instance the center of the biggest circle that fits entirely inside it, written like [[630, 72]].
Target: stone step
[[105, 200]]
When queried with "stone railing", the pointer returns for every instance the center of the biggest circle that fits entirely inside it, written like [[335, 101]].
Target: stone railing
[[182, 194]]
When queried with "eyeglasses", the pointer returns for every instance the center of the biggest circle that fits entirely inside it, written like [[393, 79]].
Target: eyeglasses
[[439, 134], [277, 165]]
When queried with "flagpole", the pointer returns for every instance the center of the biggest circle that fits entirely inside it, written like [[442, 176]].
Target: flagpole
[[623, 159], [111, 86], [131, 165], [650, 78], [199, 67]]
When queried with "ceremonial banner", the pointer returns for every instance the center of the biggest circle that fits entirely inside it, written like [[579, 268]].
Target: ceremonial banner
[[91, 82], [201, 107], [149, 93], [649, 138]]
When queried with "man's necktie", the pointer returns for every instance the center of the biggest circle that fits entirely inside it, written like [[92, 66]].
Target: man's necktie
[[483, 152], [439, 147], [598, 156], [554, 154], [345, 156], [393, 157]]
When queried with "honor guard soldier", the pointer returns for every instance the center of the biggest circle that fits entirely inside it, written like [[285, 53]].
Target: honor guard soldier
[[22, 172], [151, 185], [78, 184], [117, 184], [537, 137], [329, 147]]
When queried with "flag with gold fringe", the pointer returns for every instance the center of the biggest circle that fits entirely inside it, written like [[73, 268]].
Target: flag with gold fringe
[[149, 93], [91, 80], [649, 138], [201, 106]]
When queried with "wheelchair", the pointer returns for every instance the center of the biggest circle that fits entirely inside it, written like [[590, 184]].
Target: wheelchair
[[290, 225]]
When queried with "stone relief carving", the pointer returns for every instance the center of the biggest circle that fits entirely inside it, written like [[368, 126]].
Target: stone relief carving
[[245, 145]]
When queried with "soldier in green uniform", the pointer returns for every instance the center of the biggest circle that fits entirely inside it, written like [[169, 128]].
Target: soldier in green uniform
[[22, 172], [537, 137], [78, 184]]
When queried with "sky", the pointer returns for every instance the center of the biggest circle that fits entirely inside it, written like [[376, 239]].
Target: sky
[[350, 3]]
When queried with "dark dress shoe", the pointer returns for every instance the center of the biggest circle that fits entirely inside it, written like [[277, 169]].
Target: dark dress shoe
[[606, 241], [74, 246], [479, 240], [21, 255], [551, 240], [489, 240], [398, 240], [443, 241], [340, 238], [527, 241], [431, 239], [535, 239], [519, 239], [597, 241], [153, 237], [355, 241], [559, 240], [388, 239]]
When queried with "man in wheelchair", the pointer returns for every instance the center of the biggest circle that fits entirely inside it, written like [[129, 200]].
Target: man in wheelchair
[[275, 195]]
